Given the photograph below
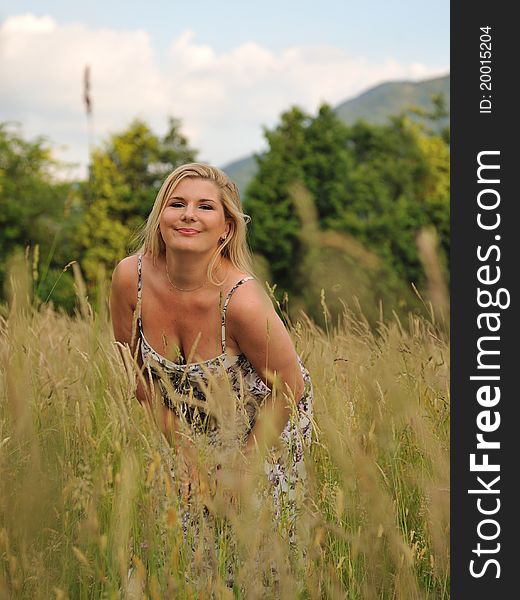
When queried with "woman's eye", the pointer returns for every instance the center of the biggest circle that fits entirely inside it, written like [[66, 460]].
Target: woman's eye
[[206, 207], [176, 204]]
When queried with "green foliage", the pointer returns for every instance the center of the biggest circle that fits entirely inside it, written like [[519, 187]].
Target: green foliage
[[340, 271], [35, 209], [58, 286], [399, 185], [125, 176], [300, 150], [380, 184]]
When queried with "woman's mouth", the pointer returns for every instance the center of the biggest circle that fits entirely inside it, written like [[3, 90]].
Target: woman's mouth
[[188, 231]]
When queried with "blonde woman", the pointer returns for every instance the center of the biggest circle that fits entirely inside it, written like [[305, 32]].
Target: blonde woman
[[200, 314]]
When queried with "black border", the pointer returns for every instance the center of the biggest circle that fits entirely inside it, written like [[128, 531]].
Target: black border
[[471, 133]]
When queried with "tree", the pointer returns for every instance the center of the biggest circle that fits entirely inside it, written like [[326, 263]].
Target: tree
[[125, 176], [378, 183], [33, 206], [400, 185], [311, 151]]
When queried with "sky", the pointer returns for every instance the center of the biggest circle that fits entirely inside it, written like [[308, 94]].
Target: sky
[[225, 69]]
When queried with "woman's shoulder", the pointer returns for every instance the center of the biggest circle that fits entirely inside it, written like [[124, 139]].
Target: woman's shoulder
[[126, 268], [124, 276], [248, 298]]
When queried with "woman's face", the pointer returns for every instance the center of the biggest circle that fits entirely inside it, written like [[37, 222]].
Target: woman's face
[[193, 216]]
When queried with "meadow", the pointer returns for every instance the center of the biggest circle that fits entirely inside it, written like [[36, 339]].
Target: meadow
[[88, 507]]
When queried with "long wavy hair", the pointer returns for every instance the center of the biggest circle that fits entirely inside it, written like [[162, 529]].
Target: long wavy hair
[[234, 247]]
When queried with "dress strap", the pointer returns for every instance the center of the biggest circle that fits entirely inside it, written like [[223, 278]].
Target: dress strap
[[225, 305], [139, 289]]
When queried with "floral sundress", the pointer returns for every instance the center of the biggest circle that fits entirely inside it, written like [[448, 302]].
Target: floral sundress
[[285, 469]]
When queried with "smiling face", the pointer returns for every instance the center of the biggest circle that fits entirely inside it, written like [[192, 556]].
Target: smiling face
[[193, 216]]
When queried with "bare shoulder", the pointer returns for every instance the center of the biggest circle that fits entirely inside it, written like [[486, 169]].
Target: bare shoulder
[[124, 279], [126, 266], [249, 301], [125, 270], [259, 332]]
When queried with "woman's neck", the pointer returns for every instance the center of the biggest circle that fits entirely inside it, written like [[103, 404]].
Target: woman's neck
[[187, 270]]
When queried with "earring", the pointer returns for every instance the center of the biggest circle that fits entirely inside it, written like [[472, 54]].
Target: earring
[[223, 239]]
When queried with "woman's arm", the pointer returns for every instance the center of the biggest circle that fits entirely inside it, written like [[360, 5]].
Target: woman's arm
[[123, 299], [263, 338]]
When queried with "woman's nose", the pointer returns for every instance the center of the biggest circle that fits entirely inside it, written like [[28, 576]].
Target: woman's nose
[[189, 212]]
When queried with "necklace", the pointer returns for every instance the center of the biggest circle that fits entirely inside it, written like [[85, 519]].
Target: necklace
[[183, 289]]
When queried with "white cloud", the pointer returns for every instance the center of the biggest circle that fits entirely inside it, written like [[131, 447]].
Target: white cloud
[[222, 99], [28, 23]]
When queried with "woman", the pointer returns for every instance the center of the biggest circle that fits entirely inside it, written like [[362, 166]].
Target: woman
[[188, 307]]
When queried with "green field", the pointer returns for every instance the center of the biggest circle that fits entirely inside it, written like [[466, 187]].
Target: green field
[[86, 495]]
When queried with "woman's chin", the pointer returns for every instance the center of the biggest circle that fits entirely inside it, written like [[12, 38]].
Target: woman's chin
[[188, 246]]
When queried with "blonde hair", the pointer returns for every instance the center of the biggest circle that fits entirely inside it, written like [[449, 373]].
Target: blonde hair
[[234, 247]]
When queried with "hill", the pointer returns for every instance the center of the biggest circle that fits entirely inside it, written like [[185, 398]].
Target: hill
[[375, 105], [242, 171], [391, 98]]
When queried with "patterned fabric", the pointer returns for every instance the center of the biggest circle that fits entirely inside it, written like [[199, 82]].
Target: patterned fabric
[[184, 387]]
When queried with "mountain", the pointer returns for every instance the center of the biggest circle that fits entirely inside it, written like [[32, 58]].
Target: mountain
[[241, 172], [391, 98], [374, 106]]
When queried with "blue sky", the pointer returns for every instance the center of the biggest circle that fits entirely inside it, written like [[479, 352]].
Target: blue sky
[[226, 69], [406, 28]]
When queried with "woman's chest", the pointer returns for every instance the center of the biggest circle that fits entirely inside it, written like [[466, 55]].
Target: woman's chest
[[183, 331]]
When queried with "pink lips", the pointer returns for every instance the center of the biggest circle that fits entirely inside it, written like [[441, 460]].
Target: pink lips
[[187, 231]]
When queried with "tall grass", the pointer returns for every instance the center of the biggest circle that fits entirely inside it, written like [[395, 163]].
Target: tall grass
[[89, 509]]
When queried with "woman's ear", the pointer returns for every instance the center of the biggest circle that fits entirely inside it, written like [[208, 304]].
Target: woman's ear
[[228, 229]]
